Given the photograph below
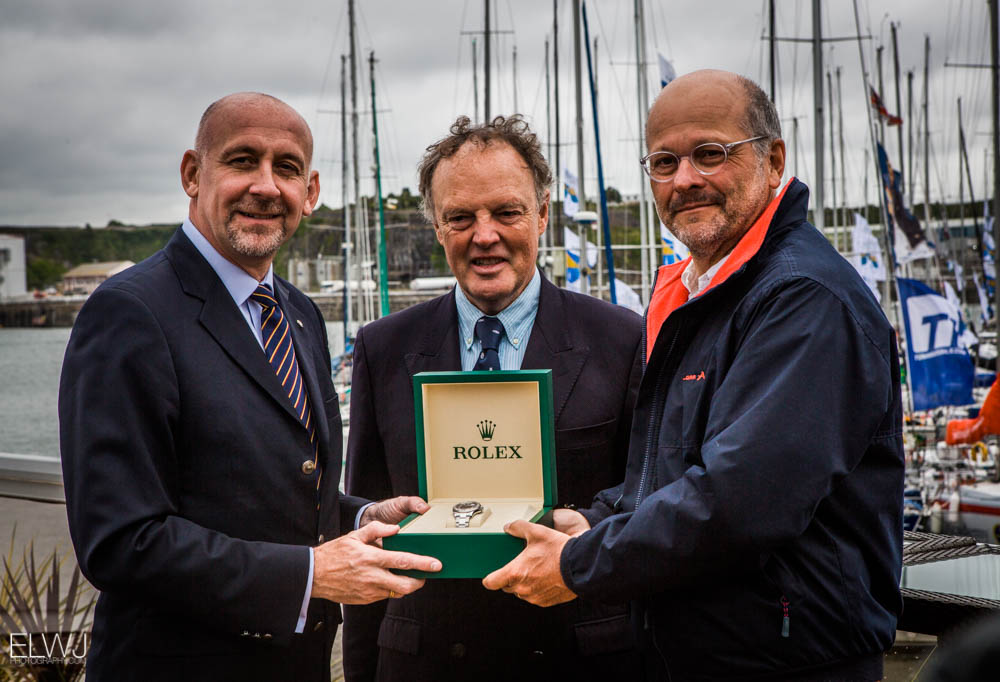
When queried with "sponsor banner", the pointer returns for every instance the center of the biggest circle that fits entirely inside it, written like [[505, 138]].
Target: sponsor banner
[[940, 369]]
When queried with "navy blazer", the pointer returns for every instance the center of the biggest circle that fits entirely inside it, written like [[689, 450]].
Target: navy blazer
[[189, 506], [456, 629]]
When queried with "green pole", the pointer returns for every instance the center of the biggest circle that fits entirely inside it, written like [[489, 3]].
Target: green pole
[[383, 260]]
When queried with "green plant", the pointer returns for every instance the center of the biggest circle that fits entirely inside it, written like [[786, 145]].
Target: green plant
[[45, 634]]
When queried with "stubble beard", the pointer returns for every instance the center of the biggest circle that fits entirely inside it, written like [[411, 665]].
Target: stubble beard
[[736, 214], [255, 243]]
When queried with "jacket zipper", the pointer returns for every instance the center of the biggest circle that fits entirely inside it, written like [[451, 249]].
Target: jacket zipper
[[652, 419], [785, 621]]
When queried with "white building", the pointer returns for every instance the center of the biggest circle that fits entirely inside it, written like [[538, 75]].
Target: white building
[[83, 279], [13, 275]]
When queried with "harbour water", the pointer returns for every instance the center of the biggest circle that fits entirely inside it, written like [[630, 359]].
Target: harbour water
[[30, 363]]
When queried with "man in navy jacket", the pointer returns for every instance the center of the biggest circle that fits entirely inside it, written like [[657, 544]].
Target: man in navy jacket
[[759, 529], [201, 476]]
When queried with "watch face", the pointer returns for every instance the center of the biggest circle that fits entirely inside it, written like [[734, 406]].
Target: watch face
[[467, 507]]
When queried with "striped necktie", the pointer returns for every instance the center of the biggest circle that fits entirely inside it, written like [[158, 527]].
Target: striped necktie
[[277, 337]]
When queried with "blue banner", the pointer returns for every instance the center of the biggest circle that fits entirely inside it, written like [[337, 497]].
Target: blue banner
[[940, 369]]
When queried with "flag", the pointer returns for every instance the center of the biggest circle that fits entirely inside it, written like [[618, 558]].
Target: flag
[[966, 337], [882, 111], [867, 258], [571, 241], [571, 194], [672, 249], [908, 239], [627, 297], [940, 369], [985, 312], [959, 274], [667, 72]]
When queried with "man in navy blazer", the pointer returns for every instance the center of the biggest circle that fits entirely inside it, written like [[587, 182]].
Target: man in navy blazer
[[485, 188], [201, 480]]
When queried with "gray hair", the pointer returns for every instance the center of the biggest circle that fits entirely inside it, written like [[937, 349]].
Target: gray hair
[[760, 117], [512, 130]]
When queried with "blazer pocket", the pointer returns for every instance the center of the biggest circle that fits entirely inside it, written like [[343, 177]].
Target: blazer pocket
[[605, 636], [399, 634], [585, 436]]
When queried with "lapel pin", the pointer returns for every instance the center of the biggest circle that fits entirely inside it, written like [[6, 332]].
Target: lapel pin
[[299, 322]]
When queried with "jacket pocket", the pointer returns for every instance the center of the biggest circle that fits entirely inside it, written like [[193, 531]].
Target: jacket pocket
[[604, 636], [399, 634], [585, 436]]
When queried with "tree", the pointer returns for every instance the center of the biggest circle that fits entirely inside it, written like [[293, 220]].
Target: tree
[[614, 196]]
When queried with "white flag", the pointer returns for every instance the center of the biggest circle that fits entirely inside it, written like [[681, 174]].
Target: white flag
[[984, 304], [571, 193], [627, 297], [672, 249], [867, 258], [667, 72], [959, 272], [967, 338]]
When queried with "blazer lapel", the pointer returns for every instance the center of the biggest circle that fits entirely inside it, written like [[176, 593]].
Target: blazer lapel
[[221, 318], [552, 346], [437, 351]]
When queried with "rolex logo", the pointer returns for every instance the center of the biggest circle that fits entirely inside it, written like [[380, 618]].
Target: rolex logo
[[486, 429]]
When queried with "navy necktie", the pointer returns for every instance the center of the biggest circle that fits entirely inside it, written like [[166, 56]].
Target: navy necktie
[[277, 337], [489, 331]]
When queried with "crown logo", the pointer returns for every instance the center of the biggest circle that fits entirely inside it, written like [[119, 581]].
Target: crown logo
[[486, 429]]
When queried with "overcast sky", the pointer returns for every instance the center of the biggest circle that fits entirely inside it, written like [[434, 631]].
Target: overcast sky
[[101, 98]]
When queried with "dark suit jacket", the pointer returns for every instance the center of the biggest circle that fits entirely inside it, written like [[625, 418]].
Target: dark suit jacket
[[188, 504], [456, 629]]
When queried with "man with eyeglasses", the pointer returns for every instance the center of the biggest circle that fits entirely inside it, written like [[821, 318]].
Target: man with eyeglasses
[[758, 533]]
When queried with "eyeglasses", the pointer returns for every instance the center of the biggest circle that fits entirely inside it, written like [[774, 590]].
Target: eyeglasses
[[706, 158]]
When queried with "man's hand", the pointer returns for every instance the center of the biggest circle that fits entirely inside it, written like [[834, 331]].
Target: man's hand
[[534, 574], [353, 570], [393, 510], [570, 521]]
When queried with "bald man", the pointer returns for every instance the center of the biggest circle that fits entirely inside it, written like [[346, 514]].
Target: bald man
[[201, 435], [759, 531]]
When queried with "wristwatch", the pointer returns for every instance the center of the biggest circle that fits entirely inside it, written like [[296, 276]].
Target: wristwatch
[[464, 511]]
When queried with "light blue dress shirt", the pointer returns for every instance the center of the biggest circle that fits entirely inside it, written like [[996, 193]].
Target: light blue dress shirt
[[240, 285], [517, 319]]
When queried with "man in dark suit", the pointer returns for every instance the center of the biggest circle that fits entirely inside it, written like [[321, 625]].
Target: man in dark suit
[[485, 190], [201, 437]]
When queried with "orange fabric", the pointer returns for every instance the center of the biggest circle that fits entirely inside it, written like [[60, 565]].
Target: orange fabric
[[987, 423], [670, 293]]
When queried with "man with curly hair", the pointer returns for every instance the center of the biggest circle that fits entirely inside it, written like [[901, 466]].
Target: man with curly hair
[[486, 191]]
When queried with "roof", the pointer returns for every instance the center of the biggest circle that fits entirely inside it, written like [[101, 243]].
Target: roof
[[99, 269]]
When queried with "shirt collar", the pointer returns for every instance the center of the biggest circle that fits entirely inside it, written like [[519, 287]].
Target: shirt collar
[[237, 281], [516, 318], [695, 284]]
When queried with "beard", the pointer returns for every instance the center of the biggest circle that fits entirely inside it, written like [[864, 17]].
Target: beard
[[735, 214], [256, 242]]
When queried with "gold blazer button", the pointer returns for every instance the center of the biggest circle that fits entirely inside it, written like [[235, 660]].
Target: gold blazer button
[[308, 467]]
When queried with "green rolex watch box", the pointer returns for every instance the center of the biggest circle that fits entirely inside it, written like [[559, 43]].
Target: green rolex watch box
[[483, 437]]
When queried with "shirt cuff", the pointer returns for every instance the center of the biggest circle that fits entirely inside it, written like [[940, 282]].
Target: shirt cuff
[[357, 519], [303, 612]]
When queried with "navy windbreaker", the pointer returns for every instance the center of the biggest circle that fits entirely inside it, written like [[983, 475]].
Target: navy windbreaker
[[760, 524]]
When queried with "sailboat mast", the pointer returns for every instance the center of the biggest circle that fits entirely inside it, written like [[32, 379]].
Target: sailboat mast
[[773, 50], [354, 119], [547, 235], [833, 165], [909, 137], [557, 218], [645, 253], [899, 101], [514, 65], [475, 82], [843, 175], [927, 134], [486, 63], [581, 193], [995, 63], [961, 180], [343, 194], [383, 261], [818, 210]]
